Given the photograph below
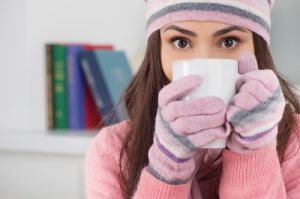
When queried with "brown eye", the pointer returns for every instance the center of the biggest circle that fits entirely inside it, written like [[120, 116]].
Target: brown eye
[[229, 42], [181, 43]]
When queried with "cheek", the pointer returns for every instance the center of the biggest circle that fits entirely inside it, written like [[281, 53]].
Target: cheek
[[249, 46], [235, 54]]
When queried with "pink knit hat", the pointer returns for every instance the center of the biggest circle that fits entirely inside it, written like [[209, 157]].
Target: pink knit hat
[[254, 15]]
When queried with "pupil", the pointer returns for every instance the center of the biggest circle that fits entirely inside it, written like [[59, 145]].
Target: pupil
[[228, 43], [182, 44]]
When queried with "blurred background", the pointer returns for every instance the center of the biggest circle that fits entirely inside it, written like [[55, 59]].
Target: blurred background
[[38, 164]]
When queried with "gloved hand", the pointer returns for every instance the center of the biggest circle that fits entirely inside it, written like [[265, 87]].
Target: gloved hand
[[182, 127], [257, 108]]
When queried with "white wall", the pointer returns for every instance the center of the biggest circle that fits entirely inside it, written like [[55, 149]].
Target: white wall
[[41, 176], [285, 43], [15, 75]]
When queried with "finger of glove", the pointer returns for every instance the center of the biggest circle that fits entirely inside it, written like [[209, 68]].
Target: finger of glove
[[244, 144], [192, 124], [183, 108], [205, 137], [258, 119], [178, 89], [235, 115], [180, 146], [245, 120], [258, 122], [247, 62], [266, 77], [244, 101], [257, 90]]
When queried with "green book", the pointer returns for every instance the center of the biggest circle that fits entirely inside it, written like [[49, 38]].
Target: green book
[[60, 87], [49, 86]]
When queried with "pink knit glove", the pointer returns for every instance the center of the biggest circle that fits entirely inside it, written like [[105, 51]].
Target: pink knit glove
[[255, 111], [182, 127]]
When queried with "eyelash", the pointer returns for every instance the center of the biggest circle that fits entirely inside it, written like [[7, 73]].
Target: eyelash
[[173, 39], [235, 38]]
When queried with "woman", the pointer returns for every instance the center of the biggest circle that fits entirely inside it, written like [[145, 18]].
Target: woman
[[157, 152]]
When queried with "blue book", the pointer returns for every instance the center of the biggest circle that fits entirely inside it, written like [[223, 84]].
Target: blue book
[[116, 73], [97, 85], [75, 88]]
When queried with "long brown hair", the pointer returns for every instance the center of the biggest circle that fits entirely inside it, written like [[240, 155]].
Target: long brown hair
[[140, 99]]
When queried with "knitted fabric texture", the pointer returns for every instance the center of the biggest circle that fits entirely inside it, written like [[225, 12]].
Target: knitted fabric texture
[[181, 128], [254, 15]]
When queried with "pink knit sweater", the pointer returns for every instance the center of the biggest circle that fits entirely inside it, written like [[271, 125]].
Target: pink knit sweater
[[257, 175]]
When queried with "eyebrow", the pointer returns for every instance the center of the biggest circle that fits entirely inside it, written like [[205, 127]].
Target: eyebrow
[[182, 30], [216, 34], [227, 30]]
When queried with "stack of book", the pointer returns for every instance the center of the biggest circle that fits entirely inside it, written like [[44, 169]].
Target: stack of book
[[84, 85]]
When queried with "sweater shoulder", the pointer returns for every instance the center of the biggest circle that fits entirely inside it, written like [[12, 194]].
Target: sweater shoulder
[[109, 139], [112, 134], [293, 146], [292, 152], [102, 162]]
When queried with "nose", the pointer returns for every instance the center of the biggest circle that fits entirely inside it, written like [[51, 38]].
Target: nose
[[205, 51]]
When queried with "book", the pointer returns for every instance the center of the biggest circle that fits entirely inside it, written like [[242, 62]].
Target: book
[[97, 85], [90, 47], [115, 69], [60, 94], [92, 116], [49, 72], [75, 88]]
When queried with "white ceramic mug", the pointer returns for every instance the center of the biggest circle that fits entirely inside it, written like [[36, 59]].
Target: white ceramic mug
[[219, 79]]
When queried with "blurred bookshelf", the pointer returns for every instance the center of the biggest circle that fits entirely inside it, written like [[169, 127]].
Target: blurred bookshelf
[[33, 24]]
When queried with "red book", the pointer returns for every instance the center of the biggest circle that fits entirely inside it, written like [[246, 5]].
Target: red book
[[92, 117], [97, 47]]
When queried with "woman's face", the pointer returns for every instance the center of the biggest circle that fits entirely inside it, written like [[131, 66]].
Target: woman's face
[[199, 39]]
